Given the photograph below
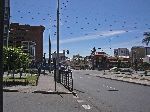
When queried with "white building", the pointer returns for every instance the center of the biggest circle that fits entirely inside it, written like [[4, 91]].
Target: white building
[[121, 52], [62, 56], [146, 59]]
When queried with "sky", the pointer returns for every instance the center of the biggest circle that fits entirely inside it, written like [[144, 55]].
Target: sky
[[84, 24]]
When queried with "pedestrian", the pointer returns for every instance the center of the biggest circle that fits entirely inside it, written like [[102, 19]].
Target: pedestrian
[[39, 70], [21, 70]]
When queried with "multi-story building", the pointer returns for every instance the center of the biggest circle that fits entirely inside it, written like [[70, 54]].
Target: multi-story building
[[19, 33], [6, 22], [121, 52], [137, 53], [29, 47]]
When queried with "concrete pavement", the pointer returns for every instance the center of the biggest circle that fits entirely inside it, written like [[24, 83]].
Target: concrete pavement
[[46, 84], [31, 102], [40, 98]]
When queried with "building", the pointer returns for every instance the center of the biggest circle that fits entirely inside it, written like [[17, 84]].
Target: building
[[99, 60], [21, 34], [62, 56], [147, 50], [137, 53], [6, 22], [121, 52], [146, 59], [29, 47], [124, 61]]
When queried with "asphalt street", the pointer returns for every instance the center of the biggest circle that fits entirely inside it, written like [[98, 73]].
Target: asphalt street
[[105, 95]]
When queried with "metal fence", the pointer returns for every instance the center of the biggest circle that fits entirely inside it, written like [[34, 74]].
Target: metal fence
[[66, 79]]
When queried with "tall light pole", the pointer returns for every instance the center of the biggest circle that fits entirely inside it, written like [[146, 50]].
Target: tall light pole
[[50, 65], [2, 8], [57, 61]]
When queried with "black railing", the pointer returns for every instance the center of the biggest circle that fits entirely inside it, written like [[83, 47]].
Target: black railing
[[66, 79]]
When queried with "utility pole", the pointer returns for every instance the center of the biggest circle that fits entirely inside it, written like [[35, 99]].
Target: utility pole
[[57, 61], [50, 65], [2, 9]]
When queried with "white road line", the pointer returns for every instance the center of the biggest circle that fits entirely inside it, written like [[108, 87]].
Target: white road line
[[110, 87], [87, 107], [80, 101], [80, 77]]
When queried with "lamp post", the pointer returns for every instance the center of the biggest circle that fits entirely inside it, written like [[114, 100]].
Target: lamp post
[[57, 61], [50, 65], [135, 61]]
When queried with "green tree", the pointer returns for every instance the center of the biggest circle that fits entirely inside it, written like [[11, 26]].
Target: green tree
[[146, 40], [15, 58]]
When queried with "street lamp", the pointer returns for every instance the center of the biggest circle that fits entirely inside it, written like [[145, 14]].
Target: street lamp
[[50, 65]]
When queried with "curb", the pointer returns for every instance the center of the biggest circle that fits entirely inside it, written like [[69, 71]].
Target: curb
[[52, 92], [10, 90], [124, 81]]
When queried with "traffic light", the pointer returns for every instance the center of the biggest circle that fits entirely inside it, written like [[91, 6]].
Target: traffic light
[[67, 51]]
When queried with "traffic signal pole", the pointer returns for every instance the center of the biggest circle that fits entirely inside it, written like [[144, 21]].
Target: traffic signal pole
[[2, 8]]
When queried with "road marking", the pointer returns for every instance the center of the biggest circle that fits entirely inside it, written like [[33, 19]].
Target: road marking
[[86, 107], [110, 87], [80, 101], [80, 77]]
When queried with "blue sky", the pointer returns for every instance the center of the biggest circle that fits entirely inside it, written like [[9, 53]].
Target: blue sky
[[85, 24]]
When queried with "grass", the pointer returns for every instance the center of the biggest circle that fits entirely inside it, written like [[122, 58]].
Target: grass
[[32, 80]]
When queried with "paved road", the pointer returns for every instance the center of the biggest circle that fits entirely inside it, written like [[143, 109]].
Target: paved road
[[105, 95]]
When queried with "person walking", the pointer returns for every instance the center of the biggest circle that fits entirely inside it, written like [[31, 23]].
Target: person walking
[[39, 69]]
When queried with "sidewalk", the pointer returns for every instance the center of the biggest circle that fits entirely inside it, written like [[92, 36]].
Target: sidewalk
[[45, 85], [136, 79]]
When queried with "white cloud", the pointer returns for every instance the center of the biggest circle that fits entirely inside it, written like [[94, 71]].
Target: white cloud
[[97, 35]]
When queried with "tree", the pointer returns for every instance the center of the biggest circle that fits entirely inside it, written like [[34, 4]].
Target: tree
[[146, 40], [15, 58]]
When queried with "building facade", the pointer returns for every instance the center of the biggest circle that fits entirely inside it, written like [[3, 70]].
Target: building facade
[[29, 47], [121, 52], [137, 53], [147, 50], [6, 22], [62, 56], [31, 34]]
